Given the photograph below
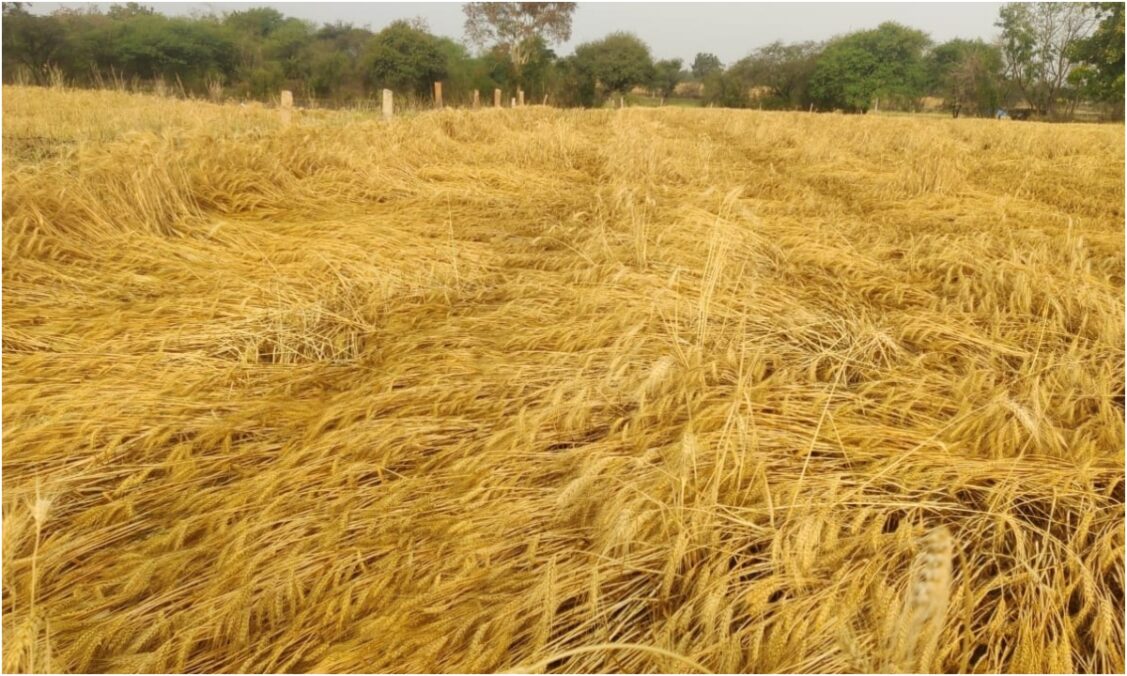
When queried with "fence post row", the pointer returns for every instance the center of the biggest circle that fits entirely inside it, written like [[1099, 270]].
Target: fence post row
[[388, 107]]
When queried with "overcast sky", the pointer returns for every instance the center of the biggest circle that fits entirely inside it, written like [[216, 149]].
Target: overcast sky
[[672, 29]]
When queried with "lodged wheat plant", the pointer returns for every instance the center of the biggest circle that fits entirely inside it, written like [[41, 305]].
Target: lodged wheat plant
[[560, 391]]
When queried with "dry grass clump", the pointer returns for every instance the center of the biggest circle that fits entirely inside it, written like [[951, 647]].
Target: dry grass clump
[[641, 390]]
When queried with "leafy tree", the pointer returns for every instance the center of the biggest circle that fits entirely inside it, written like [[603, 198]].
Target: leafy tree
[[884, 63], [522, 29], [667, 73], [706, 64], [725, 89], [285, 45], [577, 84], [404, 58], [129, 10], [150, 45], [464, 73], [784, 69], [539, 70], [328, 69], [1099, 72], [335, 59], [618, 62], [265, 80], [1038, 43], [29, 40], [967, 74], [258, 22]]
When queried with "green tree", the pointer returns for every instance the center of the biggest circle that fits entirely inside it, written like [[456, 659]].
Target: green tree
[[706, 64], [667, 74], [725, 89], [1099, 72], [521, 29], [258, 22], [404, 58], [783, 69], [885, 63], [29, 40], [286, 44], [618, 62], [576, 83], [328, 69], [1038, 43], [129, 10], [968, 75], [150, 45], [335, 57]]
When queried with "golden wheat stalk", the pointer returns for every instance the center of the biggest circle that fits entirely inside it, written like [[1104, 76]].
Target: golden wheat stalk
[[923, 610]]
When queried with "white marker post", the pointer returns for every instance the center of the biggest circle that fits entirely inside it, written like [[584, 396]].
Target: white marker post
[[388, 104], [287, 107]]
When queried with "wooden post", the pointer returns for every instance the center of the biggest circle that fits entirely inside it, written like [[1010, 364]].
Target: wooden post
[[496, 98], [811, 107], [438, 95], [512, 102], [520, 97], [876, 105], [476, 99], [545, 99], [621, 101], [388, 104], [287, 106]]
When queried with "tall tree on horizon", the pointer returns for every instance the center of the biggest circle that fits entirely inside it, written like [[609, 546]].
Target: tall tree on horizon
[[1038, 41], [1099, 72], [705, 64], [516, 26]]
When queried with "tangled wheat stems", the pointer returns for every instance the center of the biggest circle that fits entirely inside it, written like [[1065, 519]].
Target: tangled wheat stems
[[565, 390]]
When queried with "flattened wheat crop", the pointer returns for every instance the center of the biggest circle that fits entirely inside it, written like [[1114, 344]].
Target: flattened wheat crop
[[637, 390]]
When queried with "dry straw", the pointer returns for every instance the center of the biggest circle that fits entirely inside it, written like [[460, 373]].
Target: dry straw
[[572, 391]]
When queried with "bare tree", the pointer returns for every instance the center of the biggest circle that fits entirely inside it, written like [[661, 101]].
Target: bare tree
[[515, 25]]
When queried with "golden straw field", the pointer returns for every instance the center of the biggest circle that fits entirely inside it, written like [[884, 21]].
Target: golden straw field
[[640, 390]]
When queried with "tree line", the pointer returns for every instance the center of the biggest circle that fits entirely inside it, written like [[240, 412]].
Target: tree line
[[1048, 59]]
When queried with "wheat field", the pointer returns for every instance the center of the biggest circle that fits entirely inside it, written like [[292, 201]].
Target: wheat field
[[657, 390]]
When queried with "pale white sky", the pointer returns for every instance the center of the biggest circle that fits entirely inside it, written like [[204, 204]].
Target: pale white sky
[[676, 29]]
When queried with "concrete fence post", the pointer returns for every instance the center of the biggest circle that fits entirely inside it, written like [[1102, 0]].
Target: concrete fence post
[[287, 106], [520, 97], [388, 104], [438, 95], [476, 99], [496, 98]]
